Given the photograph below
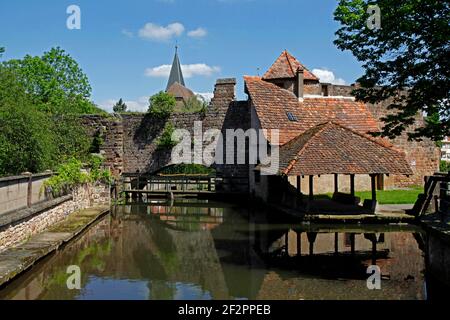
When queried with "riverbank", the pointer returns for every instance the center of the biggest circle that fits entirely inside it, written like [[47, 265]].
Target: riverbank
[[438, 245], [18, 259]]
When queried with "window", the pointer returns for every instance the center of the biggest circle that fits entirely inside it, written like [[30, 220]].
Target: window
[[291, 117]]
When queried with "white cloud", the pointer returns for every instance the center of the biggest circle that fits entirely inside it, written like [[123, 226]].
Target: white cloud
[[189, 70], [198, 33], [140, 105], [327, 76], [206, 96], [127, 33], [156, 32]]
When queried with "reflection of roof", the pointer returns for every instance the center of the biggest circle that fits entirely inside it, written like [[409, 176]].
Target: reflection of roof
[[286, 67], [333, 148], [272, 104], [180, 91]]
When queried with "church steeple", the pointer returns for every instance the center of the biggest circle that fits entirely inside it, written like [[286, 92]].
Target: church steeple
[[176, 75]]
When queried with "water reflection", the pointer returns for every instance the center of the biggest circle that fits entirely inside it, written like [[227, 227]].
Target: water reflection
[[207, 250]]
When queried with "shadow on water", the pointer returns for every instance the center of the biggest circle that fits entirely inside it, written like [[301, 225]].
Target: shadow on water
[[193, 249]]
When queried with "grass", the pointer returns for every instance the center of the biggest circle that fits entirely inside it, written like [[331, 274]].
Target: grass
[[400, 196]]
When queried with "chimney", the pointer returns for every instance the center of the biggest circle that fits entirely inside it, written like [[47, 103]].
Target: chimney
[[224, 94], [299, 83], [225, 89]]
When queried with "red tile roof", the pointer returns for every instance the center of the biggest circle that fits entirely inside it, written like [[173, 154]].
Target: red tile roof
[[332, 148], [272, 103], [286, 67]]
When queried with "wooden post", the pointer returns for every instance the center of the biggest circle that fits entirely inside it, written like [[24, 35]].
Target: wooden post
[[374, 252], [373, 186], [286, 242], [352, 243], [311, 238], [336, 243], [311, 188], [30, 191], [352, 185], [336, 183], [299, 184]]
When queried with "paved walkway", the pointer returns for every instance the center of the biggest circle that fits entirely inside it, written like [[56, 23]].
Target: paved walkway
[[18, 259], [393, 208]]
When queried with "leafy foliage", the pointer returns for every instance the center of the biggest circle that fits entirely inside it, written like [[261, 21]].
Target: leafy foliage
[[444, 166], [406, 62], [120, 106], [193, 105], [162, 105], [32, 139], [55, 82], [71, 174], [165, 141]]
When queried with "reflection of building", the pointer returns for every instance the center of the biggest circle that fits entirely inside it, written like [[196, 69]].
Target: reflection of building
[[445, 150]]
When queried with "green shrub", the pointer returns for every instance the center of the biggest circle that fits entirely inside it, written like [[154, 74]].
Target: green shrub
[[162, 105], [444, 166], [70, 175], [165, 140]]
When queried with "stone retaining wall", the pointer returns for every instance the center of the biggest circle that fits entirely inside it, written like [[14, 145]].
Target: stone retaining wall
[[18, 226]]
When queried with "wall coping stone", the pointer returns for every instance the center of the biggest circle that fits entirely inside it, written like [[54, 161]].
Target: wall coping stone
[[10, 218]]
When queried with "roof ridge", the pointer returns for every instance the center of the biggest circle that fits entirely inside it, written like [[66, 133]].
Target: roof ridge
[[287, 54]]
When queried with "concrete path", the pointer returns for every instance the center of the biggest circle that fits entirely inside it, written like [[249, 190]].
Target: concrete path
[[393, 208], [18, 259]]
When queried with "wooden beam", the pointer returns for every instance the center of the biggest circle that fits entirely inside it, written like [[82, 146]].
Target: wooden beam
[[336, 183], [336, 243], [299, 184], [311, 188], [352, 185], [373, 187]]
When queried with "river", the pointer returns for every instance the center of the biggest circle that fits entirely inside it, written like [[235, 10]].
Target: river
[[193, 249]]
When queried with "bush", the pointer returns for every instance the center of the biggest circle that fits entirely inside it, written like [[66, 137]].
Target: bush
[[162, 105], [71, 174], [165, 140], [444, 166]]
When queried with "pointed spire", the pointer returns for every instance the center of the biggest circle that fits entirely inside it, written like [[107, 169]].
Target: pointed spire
[[176, 75]]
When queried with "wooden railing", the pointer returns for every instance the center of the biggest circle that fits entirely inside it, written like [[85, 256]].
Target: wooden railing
[[436, 192], [182, 183]]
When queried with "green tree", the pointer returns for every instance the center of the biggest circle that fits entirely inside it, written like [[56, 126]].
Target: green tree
[[120, 106], [30, 139], [55, 82], [406, 62], [162, 104]]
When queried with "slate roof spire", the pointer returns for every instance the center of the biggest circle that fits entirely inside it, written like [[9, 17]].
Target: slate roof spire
[[176, 75]]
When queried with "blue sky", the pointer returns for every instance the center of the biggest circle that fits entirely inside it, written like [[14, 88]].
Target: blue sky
[[123, 45]]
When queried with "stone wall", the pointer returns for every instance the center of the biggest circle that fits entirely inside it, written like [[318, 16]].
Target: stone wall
[[130, 141], [18, 226], [422, 156], [109, 130], [19, 192]]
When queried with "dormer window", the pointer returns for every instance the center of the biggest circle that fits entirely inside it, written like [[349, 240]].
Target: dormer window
[[291, 116]]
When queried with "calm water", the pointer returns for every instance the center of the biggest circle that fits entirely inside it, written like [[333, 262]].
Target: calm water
[[209, 250]]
